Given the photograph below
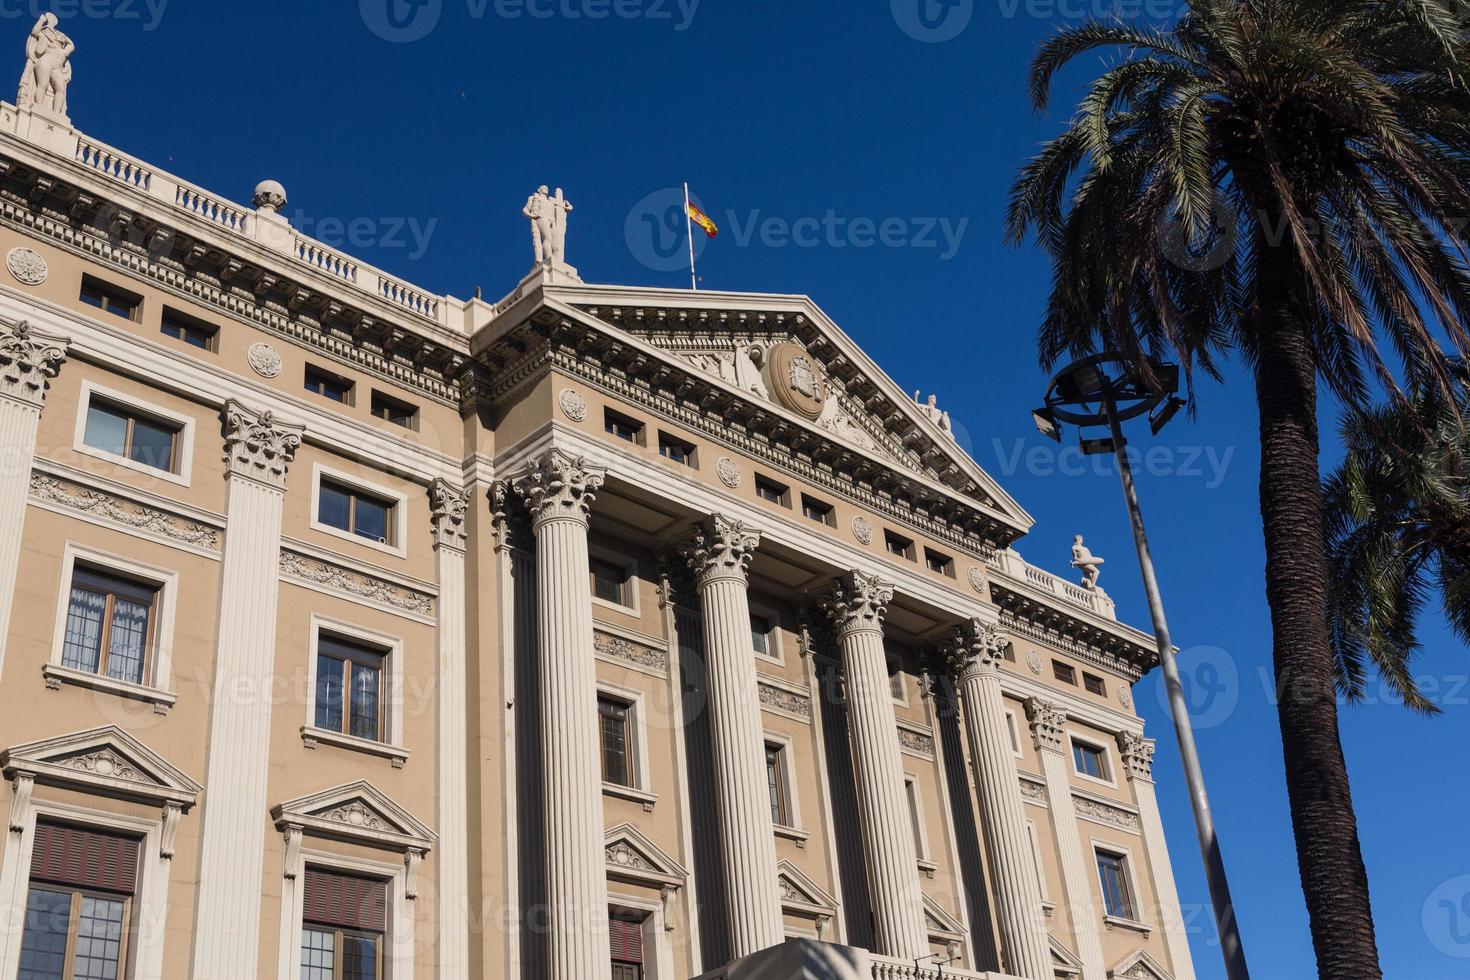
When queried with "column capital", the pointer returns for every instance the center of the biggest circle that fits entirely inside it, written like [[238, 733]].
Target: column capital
[[974, 649], [1138, 755], [29, 359], [559, 487], [257, 447], [448, 506], [1048, 723], [722, 548], [857, 602]]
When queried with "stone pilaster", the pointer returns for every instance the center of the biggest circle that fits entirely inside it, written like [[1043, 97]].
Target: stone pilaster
[[558, 490], [857, 605], [1079, 869], [972, 655], [258, 451], [448, 505], [719, 556], [1137, 754]]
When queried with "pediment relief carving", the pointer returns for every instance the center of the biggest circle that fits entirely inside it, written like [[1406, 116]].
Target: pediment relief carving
[[1139, 965], [801, 892], [633, 857], [940, 922], [357, 812], [104, 762]]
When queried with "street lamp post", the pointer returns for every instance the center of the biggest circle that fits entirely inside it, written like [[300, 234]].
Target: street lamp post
[[1108, 390]]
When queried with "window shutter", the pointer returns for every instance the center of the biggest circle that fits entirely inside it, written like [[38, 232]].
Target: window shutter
[[346, 901], [626, 941], [81, 858]]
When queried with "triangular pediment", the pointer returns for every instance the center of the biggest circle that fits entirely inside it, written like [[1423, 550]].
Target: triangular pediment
[[633, 857], [1063, 961], [102, 761], [939, 922], [1139, 965], [357, 812], [800, 893]]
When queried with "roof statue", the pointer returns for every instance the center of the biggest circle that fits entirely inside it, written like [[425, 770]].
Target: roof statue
[[1090, 564], [48, 68], [548, 216], [934, 414]]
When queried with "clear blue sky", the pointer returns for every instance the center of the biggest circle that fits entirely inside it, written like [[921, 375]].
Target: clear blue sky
[[777, 112]]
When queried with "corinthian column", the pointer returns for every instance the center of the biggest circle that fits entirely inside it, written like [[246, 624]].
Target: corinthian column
[[720, 556], [1048, 729], [28, 362], [227, 927], [972, 655], [1138, 762], [558, 490], [447, 509], [857, 605]]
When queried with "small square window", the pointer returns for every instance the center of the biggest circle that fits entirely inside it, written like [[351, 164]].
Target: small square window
[[817, 510], [392, 410], [760, 634], [349, 688], [1094, 685], [675, 450], [615, 725], [898, 545], [1112, 870], [191, 330], [111, 299], [1008, 653], [356, 512], [1065, 673], [1091, 760], [328, 385], [120, 431], [776, 493], [622, 427], [612, 582], [939, 564]]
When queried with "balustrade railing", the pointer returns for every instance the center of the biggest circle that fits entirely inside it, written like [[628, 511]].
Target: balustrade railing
[[1009, 563]]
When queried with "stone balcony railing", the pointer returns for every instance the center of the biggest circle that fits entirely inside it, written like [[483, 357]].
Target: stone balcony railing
[[890, 969], [1009, 563]]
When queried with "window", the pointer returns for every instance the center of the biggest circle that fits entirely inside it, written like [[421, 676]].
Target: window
[[356, 512], [615, 724], [612, 582], [1091, 760], [776, 786], [760, 635], [622, 427], [675, 450], [79, 905], [395, 411], [343, 922], [770, 490], [819, 511], [1009, 653], [1094, 684], [328, 385], [938, 563], [1036, 856], [896, 687], [1064, 672], [110, 625], [124, 432], [191, 330], [916, 816], [1014, 733], [110, 298], [349, 688], [626, 942], [898, 545], [1117, 893]]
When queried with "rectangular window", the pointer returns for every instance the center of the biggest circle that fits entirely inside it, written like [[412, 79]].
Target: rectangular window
[[121, 431], [349, 688], [1094, 684], [356, 512], [1009, 653], [626, 944], [328, 385], [344, 919], [896, 688], [614, 720], [191, 330], [898, 545], [776, 785], [675, 450], [612, 582], [770, 490], [622, 427], [1065, 673], [392, 410], [760, 634], [1014, 733], [82, 884], [817, 510], [109, 625], [916, 819], [938, 563], [1112, 869], [110, 298], [1091, 760], [1036, 856]]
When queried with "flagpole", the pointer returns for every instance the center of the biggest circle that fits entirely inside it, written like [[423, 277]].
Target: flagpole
[[689, 220]]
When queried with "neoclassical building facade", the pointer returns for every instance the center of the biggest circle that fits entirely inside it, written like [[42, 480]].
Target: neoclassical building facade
[[597, 633]]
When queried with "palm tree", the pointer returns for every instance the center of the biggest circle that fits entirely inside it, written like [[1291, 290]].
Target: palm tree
[[1282, 178], [1398, 533]]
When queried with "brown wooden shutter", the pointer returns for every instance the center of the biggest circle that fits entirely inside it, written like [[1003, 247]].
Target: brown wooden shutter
[[65, 855], [344, 900], [626, 940]]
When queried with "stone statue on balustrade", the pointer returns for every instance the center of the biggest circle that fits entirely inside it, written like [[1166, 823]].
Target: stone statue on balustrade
[[48, 68], [1090, 564], [548, 225], [934, 413]]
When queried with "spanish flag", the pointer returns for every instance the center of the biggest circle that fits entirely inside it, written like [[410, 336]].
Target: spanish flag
[[703, 220]]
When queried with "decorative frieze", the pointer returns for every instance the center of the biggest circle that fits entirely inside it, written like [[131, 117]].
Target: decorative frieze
[[721, 548], [448, 506], [1099, 811], [129, 513], [638, 654], [353, 584], [857, 602], [29, 360], [257, 447], [1033, 790], [783, 700], [559, 486], [916, 741]]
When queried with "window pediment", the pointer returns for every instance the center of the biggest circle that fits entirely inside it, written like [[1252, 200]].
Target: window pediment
[[102, 762], [940, 923], [1063, 961], [1139, 966], [633, 858], [801, 896], [359, 813]]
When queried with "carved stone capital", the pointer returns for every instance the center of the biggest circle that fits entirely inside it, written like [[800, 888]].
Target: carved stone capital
[[257, 447], [1048, 724], [1138, 755], [857, 602], [29, 360], [559, 487], [974, 649], [448, 506], [720, 549]]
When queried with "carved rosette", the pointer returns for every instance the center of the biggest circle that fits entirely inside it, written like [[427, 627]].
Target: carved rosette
[[974, 649], [559, 487], [28, 362], [857, 603], [721, 549], [448, 506], [1138, 755], [1048, 723], [257, 447]]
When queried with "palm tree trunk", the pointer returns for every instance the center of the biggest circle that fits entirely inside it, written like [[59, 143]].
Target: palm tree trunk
[[1329, 857]]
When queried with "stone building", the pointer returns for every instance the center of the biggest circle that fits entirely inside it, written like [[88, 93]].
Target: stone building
[[353, 631]]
